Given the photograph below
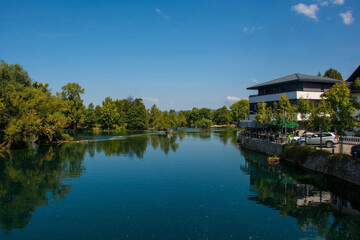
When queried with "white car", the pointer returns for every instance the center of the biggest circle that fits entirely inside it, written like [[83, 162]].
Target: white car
[[295, 139]]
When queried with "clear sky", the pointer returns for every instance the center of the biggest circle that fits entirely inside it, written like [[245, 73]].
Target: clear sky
[[178, 54]]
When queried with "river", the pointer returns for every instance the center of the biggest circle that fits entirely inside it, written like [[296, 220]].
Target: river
[[191, 185]]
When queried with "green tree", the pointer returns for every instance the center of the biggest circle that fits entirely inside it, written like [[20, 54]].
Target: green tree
[[304, 109], [182, 118], [155, 115], [108, 115], [284, 112], [221, 116], [163, 122], [90, 118], [204, 113], [203, 123], [342, 108], [193, 117], [240, 110], [260, 115], [174, 119], [319, 117], [137, 115], [71, 93], [332, 73]]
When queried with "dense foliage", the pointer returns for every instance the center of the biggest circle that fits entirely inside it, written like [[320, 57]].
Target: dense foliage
[[30, 112]]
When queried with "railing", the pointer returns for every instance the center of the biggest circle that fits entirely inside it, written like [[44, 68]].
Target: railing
[[268, 137], [351, 140]]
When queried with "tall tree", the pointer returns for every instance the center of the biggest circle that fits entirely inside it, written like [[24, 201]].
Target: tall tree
[[284, 112], [90, 118], [71, 93], [221, 116], [155, 115], [194, 116], [332, 73], [304, 109], [174, 119], [108, 115], [319, 117], [260, 114], [240, 110], [204, 113], [137, 115], [342, 107], [182, 118]]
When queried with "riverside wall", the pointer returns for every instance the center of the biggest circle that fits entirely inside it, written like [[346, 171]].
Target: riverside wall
[[344, 169]]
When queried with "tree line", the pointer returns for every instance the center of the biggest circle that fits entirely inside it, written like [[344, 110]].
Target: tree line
[[29, 112]]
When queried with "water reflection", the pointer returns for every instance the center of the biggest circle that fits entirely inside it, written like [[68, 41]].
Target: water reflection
[[30, 177], [36, 176], [313, 200]]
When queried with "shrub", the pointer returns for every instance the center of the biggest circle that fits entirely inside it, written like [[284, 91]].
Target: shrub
[[203, 123]]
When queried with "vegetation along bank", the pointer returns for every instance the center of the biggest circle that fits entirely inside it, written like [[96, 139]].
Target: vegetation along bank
[[30, 112]]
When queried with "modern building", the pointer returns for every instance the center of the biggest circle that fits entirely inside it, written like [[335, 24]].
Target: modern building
[[294, 86], [350, 82]]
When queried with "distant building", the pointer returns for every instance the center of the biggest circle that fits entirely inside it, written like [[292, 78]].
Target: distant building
[[294, 86], [350, 82]]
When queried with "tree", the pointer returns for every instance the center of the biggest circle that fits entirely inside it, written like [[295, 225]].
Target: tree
[[342, 108], [203, 123], [155, 115], [137, 115], [182, 118], [90, 118], [268, 115], [174, 119], [304, 109], [28, 111], [260, 114], [71, 93], [107, 114], [284, 112], [221, 116], [319, 117], [163, 122], [332, 73], [193, 117], [240, 110], [204, 113]]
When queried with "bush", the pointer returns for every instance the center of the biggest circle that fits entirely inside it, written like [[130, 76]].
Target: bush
[[296, 153], [203, 123], [299, 154]]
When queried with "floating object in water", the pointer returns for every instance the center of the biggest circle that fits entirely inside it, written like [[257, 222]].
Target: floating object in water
[[273, 159]]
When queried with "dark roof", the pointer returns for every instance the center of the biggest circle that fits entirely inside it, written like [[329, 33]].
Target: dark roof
[[354, 75], [351, 80], [295, 77]]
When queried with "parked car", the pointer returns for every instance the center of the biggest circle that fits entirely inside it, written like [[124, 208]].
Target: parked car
[[295, 139], [355, 149], [328, 139]]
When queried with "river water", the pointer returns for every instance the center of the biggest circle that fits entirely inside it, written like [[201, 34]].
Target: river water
[[191, 185]]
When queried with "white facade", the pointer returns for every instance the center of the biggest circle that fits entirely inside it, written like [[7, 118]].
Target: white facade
[[289, 95]]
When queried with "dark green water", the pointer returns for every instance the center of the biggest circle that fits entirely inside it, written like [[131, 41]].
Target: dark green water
[[193, 185]]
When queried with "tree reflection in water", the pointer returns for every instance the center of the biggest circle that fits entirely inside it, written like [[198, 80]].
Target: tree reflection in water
[[317, 202], [29, 175]]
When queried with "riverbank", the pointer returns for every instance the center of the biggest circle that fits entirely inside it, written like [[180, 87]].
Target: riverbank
[[340, 166]]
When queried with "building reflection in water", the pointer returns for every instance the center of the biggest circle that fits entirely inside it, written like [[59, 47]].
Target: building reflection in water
[[316, 201]]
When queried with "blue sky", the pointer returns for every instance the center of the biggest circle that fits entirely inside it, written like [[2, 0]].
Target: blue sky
[[178, 54]]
